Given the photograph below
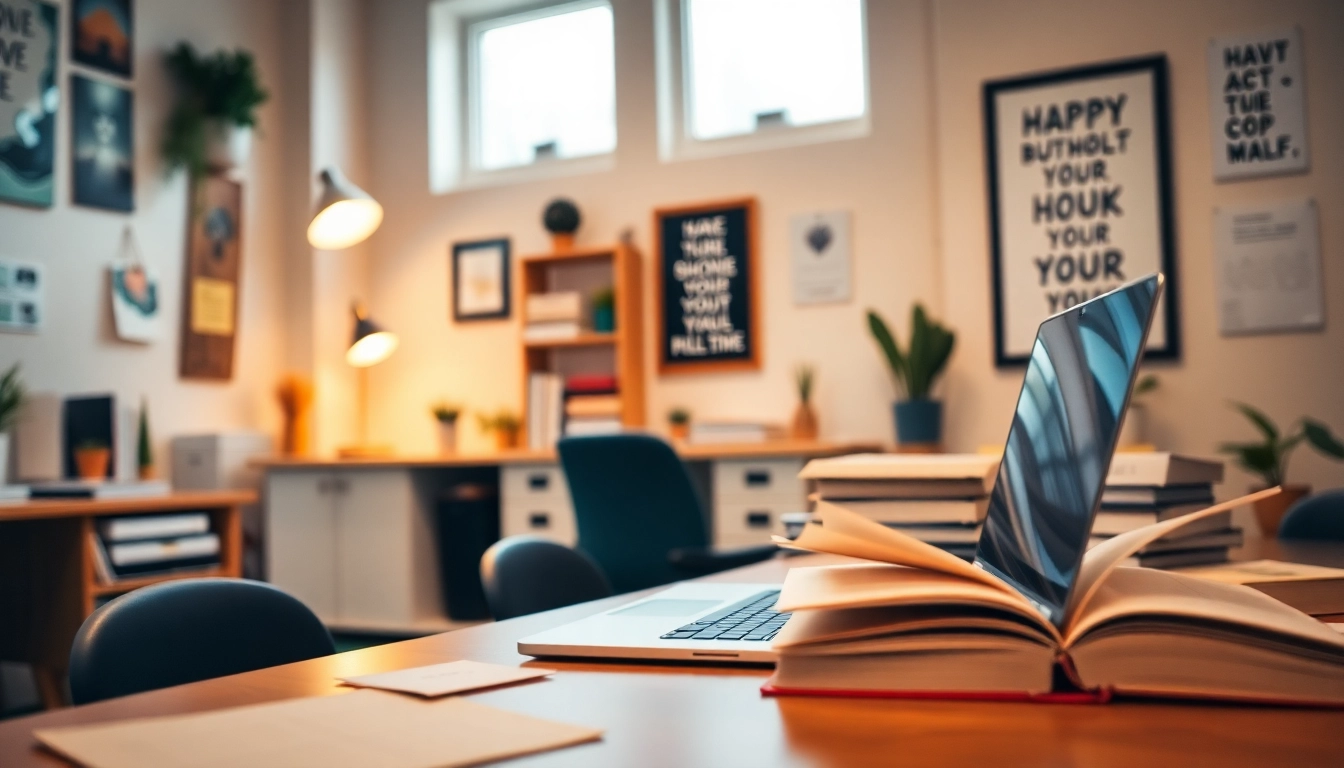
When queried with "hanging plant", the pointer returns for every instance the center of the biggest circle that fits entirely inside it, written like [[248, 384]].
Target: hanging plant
[[216, 110]]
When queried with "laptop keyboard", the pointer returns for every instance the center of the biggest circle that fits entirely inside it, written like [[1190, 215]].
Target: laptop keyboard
[[752, 619]]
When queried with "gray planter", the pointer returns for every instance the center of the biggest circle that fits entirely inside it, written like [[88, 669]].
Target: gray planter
[[919, 421]]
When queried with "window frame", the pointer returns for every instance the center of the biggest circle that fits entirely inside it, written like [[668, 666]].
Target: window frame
[[676, 141], [454, 31]]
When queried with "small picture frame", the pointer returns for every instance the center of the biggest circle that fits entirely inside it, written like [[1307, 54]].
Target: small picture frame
[[480, 281]]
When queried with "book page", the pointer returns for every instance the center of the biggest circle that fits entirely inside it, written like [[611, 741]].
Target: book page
[[1261, 572], [844, 533], [1103, 558]]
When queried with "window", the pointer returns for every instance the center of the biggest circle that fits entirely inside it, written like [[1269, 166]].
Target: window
[[764, 71], [521, 95]]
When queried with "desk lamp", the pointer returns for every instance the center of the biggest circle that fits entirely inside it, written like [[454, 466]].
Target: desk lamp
[[370, 345], [345, 215]]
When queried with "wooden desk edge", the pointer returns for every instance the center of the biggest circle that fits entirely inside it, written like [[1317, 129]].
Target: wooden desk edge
[[37, 509]]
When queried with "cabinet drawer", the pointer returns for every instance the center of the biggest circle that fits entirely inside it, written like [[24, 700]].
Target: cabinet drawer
[[549, 517], [743, 523], [532, 481], [745, 479]]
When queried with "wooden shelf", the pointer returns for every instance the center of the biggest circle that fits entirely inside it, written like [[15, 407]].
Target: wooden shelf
[[126, 585], [587, 339], [574, 254]]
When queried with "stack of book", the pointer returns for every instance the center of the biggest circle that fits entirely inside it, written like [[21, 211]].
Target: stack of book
[[545, 409], [938, 499], [551, 316], [730, 432], [1145, 488], [592, 405], [147, 545], [99, 489]]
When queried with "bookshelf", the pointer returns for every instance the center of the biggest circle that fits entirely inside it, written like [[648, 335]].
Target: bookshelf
[[619, 352]]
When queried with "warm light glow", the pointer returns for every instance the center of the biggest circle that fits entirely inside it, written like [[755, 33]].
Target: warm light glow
[[344, 223], [372, 349]]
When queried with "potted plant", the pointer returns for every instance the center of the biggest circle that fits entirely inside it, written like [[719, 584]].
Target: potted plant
[[804, 417], [91, 459], [446, 415], [144, 452], [12, 396], [1134, 429], [604, 310], [679, 423], [210, 127], [505, 424], [919, 418], [1268, 459]]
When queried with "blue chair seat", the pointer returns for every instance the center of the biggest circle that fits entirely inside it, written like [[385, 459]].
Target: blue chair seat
[[1315, 517]]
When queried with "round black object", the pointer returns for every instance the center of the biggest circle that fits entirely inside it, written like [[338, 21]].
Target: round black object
[[561, 217]]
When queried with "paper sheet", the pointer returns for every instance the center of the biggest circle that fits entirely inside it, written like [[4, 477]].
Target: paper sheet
[[443, 679], [363, 728]]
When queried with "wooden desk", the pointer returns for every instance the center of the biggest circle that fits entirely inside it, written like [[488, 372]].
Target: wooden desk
[[47, 580], [684, 715]]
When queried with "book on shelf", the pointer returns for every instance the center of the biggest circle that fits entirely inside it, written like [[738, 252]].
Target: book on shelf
[[153, 526], [99, 489], [121, 560], [13, 493], [545, 409], [917, 622], [903, 476], [589, 426], [1162, 469], [1312, 589], [555, 306], [1110, 522], [552, 331], [922, 511], [1156, 496], [591, 384], [583, 406], [730, 432]]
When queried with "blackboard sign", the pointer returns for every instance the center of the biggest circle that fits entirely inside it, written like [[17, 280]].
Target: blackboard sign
[[707, 297]]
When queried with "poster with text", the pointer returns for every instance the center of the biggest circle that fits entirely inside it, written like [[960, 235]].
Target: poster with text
[[1268, 260], [1257, 105], [707, 310], [1079, 195], [29, 96]]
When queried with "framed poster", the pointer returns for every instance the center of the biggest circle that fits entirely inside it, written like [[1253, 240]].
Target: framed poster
[[29, 97], [102, 35], [1257, 105], [1079, 185], [102, 131], [819, 247], [210, 293], [706, 288], [481, 280]]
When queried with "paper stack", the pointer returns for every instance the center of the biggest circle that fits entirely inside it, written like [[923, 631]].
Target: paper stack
[[1145, 488], [939, 499]]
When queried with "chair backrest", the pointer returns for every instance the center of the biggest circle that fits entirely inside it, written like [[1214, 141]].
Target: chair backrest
[[1315, 517], [194, 629], [529, 574], [634, 502]]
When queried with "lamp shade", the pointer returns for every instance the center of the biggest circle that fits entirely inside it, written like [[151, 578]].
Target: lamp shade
[[370, 344], [345, 215]]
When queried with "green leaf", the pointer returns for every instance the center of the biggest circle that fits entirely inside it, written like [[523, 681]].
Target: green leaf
[[1260, 420], [919, 354], [1145, 384], [1320, 438], [895, 360], [1260, 460]]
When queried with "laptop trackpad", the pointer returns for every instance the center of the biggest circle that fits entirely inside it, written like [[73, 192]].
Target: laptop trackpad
[[667, 608]]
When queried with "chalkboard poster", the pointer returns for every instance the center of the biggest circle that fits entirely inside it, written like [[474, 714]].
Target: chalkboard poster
[[708, 318], [1079, 195]]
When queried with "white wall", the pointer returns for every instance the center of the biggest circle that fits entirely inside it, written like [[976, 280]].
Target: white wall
[[1288, 375], [77, 352], [885, 179]]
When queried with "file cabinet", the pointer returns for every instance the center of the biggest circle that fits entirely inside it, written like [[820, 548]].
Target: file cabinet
[[534, 499]]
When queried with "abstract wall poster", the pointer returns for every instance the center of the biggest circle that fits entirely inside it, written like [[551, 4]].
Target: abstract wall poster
[[481, 280], [102, 131], [29, 97], [136, 308], [22, 296], [1079, 196], [819, 246], [102, 35]]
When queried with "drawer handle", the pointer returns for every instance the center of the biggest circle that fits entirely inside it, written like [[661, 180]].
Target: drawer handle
[[757, 478], [758, 519], [538, 482], [539, 520]]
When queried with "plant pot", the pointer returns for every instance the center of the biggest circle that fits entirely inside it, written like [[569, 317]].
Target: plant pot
[[679, 431], [4, 458], [919, 421], [1269, 512], [506, 439], [91, 463], [447, 437], [227, 146], [562, 241], [804, 423], [1134, 428], [604, 319]]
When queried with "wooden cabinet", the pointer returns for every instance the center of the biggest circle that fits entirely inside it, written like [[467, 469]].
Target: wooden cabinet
[[534, 499], [750, 495], [356, 546]]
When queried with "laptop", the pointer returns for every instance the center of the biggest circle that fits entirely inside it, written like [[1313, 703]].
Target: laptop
[[1074, 395]]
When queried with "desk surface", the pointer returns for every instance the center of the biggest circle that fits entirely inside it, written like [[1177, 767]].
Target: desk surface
[[36, 509], [702, 716], [768, 449]]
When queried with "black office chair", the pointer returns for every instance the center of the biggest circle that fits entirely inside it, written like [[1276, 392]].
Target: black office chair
[[183, 631], [1315, 517], [638, 514], [529, 574]]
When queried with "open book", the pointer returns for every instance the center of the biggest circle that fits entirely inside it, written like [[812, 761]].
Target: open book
[[919, 622]]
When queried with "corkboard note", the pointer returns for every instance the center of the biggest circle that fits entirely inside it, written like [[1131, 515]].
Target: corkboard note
[[214, 265]]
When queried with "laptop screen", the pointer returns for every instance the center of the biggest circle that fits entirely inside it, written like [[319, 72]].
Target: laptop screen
[[1060, 444]]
